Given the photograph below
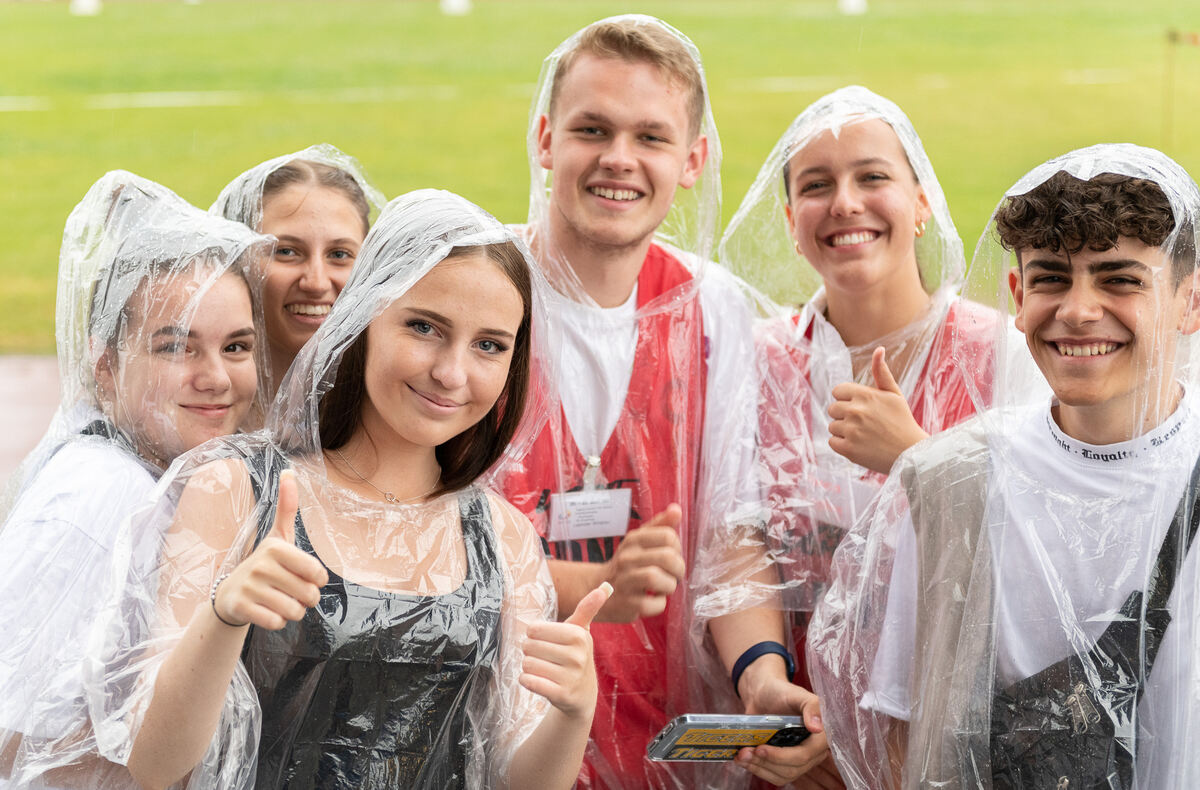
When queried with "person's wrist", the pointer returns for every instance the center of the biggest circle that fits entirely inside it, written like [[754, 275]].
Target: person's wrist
[[759, 665], [212, 599], [759, 677]]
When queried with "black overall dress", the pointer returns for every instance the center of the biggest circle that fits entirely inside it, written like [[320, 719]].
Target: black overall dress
[[371, 689]]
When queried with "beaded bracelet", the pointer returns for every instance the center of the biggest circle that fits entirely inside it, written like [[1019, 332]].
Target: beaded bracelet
[[212, 599]]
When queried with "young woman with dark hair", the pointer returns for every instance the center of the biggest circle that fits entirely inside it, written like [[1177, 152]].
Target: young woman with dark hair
[[340, 576]]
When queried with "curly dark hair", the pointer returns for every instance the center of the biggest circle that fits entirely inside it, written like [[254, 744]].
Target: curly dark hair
[[1066, 214]]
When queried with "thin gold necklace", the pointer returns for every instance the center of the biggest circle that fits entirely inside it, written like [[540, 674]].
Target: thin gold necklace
[[388, 496]]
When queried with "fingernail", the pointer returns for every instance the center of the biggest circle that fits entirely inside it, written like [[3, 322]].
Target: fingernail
[[608, 588]]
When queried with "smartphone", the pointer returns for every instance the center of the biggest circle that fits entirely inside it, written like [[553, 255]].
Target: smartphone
[[699, 737]]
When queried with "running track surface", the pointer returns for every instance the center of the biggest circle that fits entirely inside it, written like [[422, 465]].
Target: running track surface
[[28, 398]]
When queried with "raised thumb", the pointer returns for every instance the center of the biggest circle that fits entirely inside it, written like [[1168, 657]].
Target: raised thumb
[[669, 517], [589, 605], [884, 380], [286, 504]]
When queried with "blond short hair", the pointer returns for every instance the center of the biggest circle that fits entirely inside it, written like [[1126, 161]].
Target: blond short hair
[[634, 41]]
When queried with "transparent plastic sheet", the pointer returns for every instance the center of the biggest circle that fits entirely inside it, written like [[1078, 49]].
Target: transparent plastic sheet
[[679, 397], [319, 216], [690, 226], [241, 199], [141, 274], [408, 676], [756, 244], [941, 361], [992, 621], [405, 673]]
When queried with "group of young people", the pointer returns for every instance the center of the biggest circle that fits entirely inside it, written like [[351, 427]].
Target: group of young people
[[343, 494]]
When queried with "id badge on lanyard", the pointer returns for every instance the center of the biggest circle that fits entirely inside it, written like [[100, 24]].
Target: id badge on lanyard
[[593, 512]]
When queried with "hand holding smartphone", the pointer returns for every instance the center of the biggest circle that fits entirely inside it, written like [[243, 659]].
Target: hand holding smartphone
[[699, 737]]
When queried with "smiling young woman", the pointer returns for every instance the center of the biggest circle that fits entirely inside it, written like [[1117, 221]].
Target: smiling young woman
[[846, 214], [333, 601], [317, 204], [157, 347]]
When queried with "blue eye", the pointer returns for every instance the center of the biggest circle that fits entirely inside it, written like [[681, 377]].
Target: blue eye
[[492, 347], [421, 327]]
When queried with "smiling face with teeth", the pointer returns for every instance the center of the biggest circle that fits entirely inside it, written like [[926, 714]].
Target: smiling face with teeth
[[853, 207], [1103, 328], [320, 231], [619, 144]]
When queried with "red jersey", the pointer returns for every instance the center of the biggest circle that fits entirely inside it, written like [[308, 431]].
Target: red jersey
[[654, 451]]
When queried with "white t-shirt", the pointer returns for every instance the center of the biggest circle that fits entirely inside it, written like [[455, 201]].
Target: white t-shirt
[[54, 571], [597, 354], [598, 346], [1084, 524]]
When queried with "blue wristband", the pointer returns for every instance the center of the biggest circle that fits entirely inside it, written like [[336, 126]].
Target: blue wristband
[[756, 652]]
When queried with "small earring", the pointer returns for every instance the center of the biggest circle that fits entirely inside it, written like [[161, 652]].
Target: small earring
[[920, 228], [796, 244]]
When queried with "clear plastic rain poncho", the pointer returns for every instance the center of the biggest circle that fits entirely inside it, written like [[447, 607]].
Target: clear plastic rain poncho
[[813, 494], [157, 353], [649, 391], [405, 673], [242, 199], [1019, 609]]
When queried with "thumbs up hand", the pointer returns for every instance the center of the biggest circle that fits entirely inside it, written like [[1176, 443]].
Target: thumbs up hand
[[278, 582], [647, 567], [558, 658], [871, 426]]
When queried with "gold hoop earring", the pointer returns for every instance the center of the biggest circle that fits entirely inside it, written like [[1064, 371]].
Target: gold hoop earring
[[920, 228]]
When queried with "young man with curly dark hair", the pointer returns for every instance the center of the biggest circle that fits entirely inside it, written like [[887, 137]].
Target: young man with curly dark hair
[[1026, 597]]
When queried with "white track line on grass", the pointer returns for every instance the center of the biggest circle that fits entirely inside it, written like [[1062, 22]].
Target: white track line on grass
[[788, 84], [1096, 77], [24, 103], [405, 93], [132, 101], [823, 83], [187, 99], [933, 82]]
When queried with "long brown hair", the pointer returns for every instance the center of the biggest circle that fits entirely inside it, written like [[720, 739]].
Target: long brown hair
[[464, 457]]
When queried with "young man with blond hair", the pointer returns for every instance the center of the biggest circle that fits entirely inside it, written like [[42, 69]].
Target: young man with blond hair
[[655, 375]]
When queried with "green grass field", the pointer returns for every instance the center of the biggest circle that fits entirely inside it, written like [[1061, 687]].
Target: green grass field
[[427, 100]]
